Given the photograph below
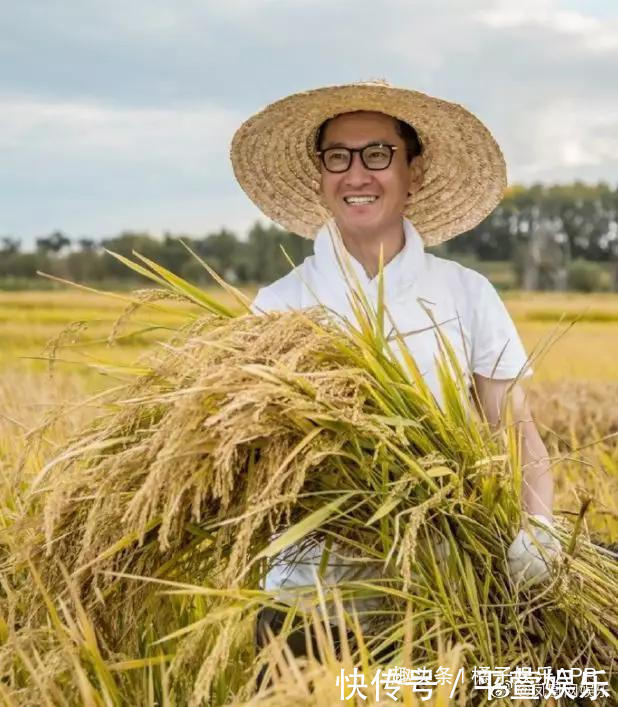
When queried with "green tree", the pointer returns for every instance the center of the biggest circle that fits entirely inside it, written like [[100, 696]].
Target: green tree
[[54, 243], [9, 246], [220, 250], [265, 249], [125, 244]]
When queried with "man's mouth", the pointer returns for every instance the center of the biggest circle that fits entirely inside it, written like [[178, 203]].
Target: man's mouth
[[359, 200]]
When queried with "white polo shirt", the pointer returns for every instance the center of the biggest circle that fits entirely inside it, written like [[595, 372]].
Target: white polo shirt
[[463, 303]]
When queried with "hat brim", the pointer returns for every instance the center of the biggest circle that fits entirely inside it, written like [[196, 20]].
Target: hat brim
[[274, 160]]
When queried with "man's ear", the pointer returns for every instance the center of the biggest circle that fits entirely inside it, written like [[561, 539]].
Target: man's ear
[[417, 172]]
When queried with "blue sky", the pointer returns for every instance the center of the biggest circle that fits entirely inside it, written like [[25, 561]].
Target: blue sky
[[118, 115]]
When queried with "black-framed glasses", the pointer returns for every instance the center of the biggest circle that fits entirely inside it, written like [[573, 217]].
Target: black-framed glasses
[[374, 157]]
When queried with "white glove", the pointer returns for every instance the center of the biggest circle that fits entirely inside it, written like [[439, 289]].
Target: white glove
[[532, 552]]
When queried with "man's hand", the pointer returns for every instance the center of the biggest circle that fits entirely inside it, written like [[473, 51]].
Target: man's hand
[[533, 552]]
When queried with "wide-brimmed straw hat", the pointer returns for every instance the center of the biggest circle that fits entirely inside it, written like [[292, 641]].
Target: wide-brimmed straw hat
[[275, 161]]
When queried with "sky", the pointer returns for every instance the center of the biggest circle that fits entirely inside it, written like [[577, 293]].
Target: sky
[[118, 115]]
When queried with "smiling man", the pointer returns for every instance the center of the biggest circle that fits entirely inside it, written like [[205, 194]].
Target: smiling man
[[365, 167], [371, 165]]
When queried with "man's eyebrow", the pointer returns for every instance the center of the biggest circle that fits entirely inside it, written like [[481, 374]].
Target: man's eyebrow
[[341, 144]]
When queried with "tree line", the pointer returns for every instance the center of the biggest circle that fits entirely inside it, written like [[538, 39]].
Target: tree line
[[545, 228]]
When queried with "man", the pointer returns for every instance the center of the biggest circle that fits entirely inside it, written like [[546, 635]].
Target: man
[[368, 168]]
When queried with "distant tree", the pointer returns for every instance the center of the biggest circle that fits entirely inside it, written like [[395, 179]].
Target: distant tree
[[125, 244], [53, 243], [86, 266], [586, 214], [87, 245], [172, 254], [23, 265], [541, 262], [268, 262], [9, 246], [585, 276], [613, 247], [219, 250]]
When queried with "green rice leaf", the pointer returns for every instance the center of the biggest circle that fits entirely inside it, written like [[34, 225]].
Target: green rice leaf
[[299, 530]]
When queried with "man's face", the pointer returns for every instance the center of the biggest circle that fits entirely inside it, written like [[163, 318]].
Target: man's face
[[389, 186]]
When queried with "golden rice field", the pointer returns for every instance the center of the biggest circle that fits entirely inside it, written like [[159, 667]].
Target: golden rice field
[[586, 324], [57, 347]]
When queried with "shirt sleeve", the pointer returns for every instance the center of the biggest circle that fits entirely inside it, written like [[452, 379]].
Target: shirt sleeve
[[283, 295], [262, 302], [268, 300], [497, 349]]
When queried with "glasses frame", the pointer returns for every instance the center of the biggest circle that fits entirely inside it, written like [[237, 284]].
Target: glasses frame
[[360, 150]]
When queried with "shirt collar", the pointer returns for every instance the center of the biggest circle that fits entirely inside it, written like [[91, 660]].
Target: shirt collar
[[399, 273]]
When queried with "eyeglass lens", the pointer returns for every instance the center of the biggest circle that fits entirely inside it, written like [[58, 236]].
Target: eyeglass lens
[[338, 159]]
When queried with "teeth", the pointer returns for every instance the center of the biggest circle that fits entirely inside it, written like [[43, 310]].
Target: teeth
[[359, 199]]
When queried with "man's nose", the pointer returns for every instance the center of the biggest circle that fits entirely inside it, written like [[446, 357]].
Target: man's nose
[[357, 173]]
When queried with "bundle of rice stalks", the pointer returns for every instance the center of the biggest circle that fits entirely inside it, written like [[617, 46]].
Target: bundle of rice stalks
[[147, 538]]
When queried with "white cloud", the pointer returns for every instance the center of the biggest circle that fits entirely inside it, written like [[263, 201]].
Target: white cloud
[[593, 33], [86, 130], [565, 138], [94, 169]]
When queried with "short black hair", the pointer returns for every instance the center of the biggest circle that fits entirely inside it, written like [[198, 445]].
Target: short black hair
[[405, 131]]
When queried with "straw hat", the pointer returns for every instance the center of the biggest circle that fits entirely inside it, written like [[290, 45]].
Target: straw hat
[[274, 158]]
